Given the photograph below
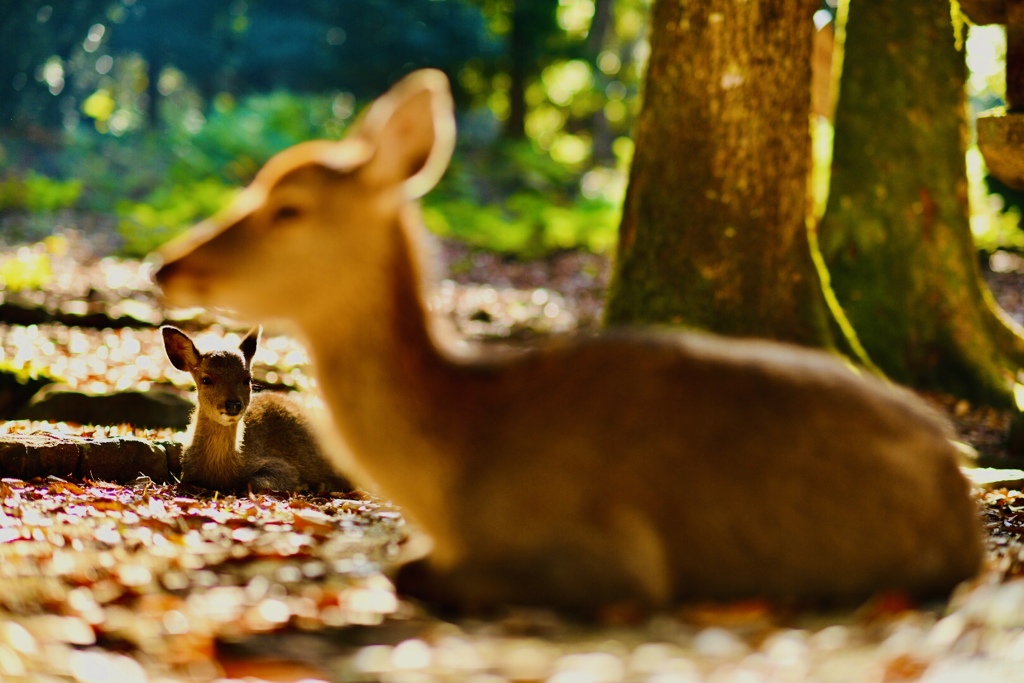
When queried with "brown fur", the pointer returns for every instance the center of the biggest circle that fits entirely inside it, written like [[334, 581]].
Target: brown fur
[[237, 440], [634, 465]]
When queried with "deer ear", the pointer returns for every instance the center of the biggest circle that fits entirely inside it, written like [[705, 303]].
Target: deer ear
[[412, 131], [249, 344], [180, 349]]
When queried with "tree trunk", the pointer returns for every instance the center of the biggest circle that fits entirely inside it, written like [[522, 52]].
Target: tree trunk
[[714, 228], [896, 231], [601, 27], [154, 68], [521, 53], [533, 22]]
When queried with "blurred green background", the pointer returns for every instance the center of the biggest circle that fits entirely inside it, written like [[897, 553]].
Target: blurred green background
[[148, 114], [135, 118]]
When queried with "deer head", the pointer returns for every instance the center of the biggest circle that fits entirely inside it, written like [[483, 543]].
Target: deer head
[[319, 215]]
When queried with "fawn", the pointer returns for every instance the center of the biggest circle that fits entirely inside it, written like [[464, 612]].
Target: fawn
[[240, 440], [632, 466]]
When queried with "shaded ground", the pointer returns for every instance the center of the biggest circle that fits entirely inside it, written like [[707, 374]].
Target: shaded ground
[[138, 581]]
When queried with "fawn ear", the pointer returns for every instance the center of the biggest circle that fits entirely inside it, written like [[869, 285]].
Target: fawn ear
[[180, 349], [249, 344], [412, 131]]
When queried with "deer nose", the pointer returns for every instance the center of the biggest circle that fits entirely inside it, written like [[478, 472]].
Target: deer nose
[[233, 407], [164, 272]]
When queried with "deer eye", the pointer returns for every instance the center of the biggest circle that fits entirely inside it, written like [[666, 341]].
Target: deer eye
[[287, 212], [207, 381]]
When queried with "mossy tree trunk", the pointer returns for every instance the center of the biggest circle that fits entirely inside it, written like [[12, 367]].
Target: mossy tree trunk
[[714, 228], [896, 231]]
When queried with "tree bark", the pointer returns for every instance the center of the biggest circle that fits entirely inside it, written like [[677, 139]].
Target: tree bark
[[601, 27], [896, 231], [714, 228], [521, 53], [533, 23], [154, 68]]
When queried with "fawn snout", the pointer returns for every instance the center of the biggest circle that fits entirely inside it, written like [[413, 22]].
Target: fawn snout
[[226, 412]]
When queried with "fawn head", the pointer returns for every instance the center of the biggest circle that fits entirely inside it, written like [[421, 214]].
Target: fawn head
[[223, 378], [319, 214]]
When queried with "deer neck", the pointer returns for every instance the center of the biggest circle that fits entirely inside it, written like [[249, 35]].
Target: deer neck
[[218, 444], [386, 382]]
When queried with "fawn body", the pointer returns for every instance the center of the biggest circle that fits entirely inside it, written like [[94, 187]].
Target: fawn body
[[638, 466], [239, 440]]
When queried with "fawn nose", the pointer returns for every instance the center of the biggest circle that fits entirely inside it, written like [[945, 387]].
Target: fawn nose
[[233, 407]]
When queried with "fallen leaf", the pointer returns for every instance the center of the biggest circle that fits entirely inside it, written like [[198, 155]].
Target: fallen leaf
[[904, 668]]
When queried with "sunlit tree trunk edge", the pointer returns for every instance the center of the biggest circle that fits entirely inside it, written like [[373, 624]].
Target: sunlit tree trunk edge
[[896, 230]]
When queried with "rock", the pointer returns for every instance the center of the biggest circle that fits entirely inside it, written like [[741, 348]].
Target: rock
[[13, 458], [142, 409], [172, 450], [56, 458], [25, 456], [121, 459]]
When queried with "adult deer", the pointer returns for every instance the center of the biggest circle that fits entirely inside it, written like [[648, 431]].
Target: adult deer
[[632, 466]]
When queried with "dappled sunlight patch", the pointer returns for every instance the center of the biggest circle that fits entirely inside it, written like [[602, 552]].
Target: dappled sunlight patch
[[30, 427], [156, 582], [885, 641], [103, 361], [162, 573], [132, 357], [492, 312]]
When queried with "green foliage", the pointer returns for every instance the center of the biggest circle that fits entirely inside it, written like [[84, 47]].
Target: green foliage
[[207, 161], [26, 269], [513, 199], [237, 138], [157, 110], [518, 201], [1001, 230], [37, 193], [23, 375], [993, 225], [313, 46], [525, 225], [37, 38], [168, 211]]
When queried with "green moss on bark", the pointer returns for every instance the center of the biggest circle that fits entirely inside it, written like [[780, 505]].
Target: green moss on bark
[[896, 233], [713, 233]]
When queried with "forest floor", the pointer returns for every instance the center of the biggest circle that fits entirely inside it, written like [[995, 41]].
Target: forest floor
[[141, 581]]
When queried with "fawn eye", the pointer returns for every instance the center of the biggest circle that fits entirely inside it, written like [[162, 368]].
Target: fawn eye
[[206, 381]]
